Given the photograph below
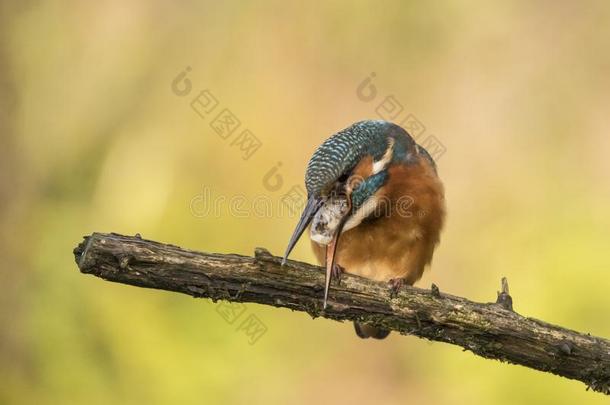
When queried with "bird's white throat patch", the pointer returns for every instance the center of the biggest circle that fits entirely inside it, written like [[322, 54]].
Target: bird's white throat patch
[[369, 206]]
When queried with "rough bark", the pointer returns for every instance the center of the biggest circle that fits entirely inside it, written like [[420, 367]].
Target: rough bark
[[490, 330]]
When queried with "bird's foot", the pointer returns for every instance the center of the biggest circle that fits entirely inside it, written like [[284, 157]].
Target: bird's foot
[[336, 272], [395, 285]]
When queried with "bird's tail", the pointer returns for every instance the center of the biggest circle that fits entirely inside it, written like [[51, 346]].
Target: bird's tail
[[366, 331]]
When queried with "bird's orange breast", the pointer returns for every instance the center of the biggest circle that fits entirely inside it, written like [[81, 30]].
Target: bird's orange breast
[[398, 239]]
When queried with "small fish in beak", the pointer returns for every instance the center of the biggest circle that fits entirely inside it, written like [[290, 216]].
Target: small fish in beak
[[326, 221]]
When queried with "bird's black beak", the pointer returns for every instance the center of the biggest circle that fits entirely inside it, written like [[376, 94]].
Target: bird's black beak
[[313, 205]]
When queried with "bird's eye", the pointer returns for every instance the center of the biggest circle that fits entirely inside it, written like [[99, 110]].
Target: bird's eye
[[343, 178], [338, 187]]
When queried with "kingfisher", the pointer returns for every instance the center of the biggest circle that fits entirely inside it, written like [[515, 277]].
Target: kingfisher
[[375, 208]]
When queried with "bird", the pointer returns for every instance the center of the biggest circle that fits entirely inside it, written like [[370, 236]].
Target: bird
[[375, 208]]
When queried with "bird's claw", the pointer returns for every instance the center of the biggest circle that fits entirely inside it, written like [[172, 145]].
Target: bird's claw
[[395, 285], [336, 272]]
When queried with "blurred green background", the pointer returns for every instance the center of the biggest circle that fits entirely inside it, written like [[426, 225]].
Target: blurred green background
[[94, 139]]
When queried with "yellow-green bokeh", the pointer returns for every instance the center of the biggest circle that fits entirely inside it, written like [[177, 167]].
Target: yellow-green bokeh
[[94, 139]]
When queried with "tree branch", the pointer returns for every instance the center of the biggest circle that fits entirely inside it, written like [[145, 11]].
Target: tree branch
[[490, 330]]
